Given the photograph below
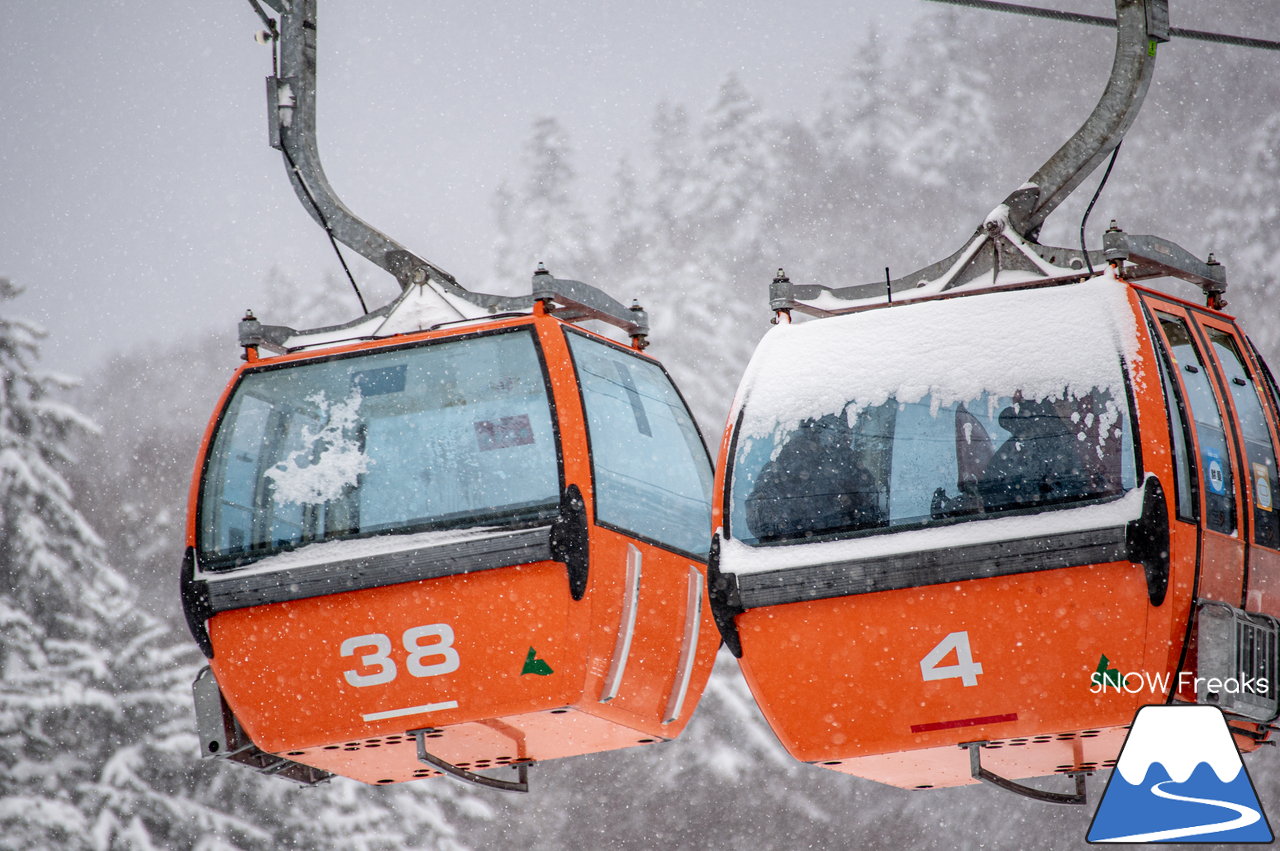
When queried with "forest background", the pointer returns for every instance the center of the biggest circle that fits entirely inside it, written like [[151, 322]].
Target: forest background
[[907, 150]]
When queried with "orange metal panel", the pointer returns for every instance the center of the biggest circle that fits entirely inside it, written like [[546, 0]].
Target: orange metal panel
[[845, 678], [478, 746], [283, 669]]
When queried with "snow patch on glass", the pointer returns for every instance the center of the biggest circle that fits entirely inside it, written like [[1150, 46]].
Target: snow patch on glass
[[330, 460]]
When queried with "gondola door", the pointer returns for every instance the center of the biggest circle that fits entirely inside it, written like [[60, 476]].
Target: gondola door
[[1216, 466], [1256, 455]]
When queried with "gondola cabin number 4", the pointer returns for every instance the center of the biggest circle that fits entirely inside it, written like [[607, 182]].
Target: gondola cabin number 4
[[964, 668]]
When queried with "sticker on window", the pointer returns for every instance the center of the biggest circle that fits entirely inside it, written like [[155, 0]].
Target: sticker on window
[[1216, 478], [1261, 487], [377, 382], [503, 432]]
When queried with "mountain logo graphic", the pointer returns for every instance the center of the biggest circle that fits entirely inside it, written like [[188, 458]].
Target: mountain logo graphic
[[1179, 778]]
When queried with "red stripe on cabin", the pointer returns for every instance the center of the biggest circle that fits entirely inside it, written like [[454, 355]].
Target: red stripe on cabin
[[964, 722]]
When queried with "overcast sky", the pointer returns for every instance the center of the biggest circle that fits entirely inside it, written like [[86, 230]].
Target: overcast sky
[[138, 195], [139, 198]]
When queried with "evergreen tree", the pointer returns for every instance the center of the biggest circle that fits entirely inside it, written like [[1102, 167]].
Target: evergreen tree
[[670, 196], [734, 186], [1246, 233], [628, 235], [97, 739], [541, 222], [860, 126], [946, 91], [86, 678]]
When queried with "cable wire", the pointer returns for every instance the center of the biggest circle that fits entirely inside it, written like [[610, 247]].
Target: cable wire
[[1085, 218], [1094, 20], [297, 175]]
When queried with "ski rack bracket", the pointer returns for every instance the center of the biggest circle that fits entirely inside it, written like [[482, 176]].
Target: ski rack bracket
[[976, 770], [574, 301], [451, 770], [569, 300], [1155, 257]]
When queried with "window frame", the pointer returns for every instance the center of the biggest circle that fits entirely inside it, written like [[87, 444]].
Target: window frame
[[1138, 466], [1188, 315], [222, 563], [591, 456], [1247, 489]]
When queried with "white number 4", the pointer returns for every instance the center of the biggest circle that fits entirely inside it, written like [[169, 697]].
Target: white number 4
[[964, 668]]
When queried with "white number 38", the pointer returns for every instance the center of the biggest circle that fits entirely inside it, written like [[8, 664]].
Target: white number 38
[[421, 643]]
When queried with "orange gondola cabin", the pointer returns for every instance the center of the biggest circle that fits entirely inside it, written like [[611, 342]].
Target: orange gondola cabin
[[1007, 517], [484, 541], [969, 520], [457, 533]]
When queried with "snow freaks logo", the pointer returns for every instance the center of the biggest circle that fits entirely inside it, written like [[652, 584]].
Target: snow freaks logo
[[1109, 680], [1179, 778]]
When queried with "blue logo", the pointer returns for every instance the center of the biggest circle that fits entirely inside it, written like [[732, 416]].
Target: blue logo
[[1179, 778]]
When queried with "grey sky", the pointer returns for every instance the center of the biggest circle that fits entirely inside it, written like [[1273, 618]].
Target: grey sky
[[138, 195]]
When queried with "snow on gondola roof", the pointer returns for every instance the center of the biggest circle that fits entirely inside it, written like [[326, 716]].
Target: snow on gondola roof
[[1043, 341]]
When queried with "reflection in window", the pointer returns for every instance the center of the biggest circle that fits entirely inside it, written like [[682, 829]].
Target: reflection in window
[[1217, 480], [1182, 467], [441, 435], [1260, 454], [908, 464], [651, 473]]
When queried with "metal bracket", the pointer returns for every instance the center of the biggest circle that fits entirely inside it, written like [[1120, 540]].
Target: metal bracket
[[572, 301], [521, 785], [570, 540], [1008, 240], [222, 737], [584, 301], [1147, 540], [726, 602], [1155, 257], [979, 773]]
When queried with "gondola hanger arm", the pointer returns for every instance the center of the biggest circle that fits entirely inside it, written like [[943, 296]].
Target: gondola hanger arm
[[291, 105], [1005, 248]]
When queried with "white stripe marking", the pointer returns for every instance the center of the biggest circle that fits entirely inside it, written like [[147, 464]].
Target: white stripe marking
[[410, 710]]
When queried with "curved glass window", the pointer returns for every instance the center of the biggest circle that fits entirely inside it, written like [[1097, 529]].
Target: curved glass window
[[1216, 472], [448, 434], [651, 472], [907, 464], [1260, 453]]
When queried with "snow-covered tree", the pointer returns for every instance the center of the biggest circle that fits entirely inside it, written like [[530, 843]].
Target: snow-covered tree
[[946, 91], [858, 127], [629, 236], [1246, 231], [86, 681], [734, 184], [541, 221], [97, 738]]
